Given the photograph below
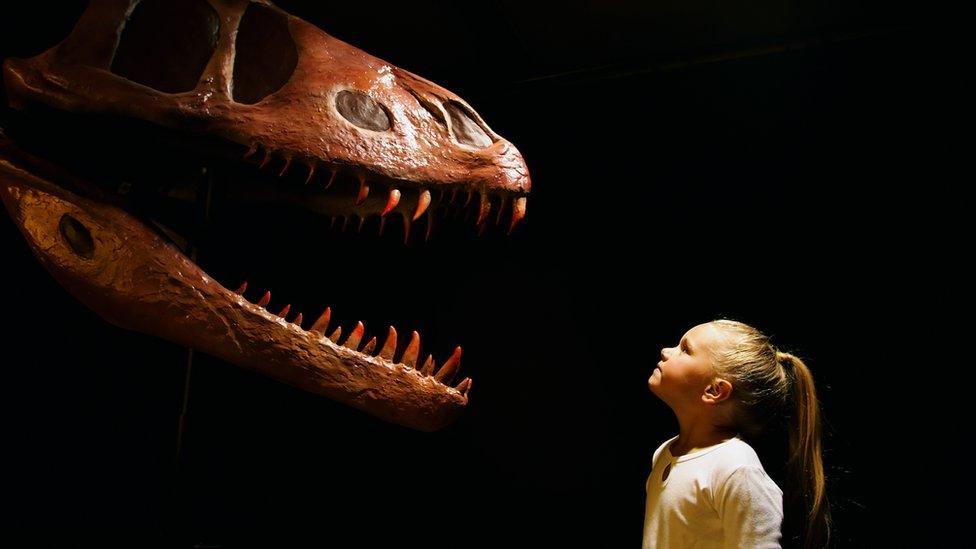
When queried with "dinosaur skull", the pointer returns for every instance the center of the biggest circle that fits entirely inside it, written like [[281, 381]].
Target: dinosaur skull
[[277, 92]]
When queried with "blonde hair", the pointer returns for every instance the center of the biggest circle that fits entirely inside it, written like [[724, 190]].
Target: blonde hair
[[768, 383]]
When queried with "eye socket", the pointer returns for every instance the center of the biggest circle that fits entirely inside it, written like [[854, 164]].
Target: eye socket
[[265, 54], [466, 129], [77, 236], [362, 110]]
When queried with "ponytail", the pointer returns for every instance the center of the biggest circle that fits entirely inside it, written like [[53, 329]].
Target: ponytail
[[774, 390], [808, 497]]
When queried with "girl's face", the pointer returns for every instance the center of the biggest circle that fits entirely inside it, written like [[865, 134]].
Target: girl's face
[[686, 370]]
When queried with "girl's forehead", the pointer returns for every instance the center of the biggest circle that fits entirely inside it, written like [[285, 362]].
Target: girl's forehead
[[705, 335]]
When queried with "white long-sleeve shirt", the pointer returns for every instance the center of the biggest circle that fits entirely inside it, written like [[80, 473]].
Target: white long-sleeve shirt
[[718, 496]]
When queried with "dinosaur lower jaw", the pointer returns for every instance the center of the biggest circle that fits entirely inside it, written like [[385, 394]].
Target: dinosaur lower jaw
[[125, 272]]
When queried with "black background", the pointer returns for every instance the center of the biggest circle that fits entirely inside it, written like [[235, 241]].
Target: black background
[[770, 162]]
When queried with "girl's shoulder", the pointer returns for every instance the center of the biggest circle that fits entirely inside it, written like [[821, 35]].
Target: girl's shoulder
[[735, 453], [737, 458]]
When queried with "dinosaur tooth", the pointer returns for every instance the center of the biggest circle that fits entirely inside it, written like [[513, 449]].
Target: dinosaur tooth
[[322, 324], [286, 166], [406, 228], [389, 346], [453, 196], [267, 158], [363, 190], [298, 320], [447, 371], [355, 336], [430, 228], [413, 349], [336, 335], [464, 386], [484, 206], [467, 201], [429, 366], [422, 203], [251, 150], [501, 210], [382, 224], [311, 172], [518, 212], [284, 311], [242, 289], [332, 178], [368, 349], [391, 202], [265, 299], [362, 221]]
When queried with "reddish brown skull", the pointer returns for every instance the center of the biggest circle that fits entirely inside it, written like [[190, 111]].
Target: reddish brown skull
[[279, 92]]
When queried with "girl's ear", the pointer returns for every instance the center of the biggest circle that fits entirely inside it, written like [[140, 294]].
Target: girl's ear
[[717, 391]]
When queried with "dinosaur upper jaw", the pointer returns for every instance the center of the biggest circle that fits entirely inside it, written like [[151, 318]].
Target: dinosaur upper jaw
[[125, 272], [333, 106]]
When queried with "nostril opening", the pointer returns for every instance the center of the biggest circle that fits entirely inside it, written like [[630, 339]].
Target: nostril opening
[[465, 127]]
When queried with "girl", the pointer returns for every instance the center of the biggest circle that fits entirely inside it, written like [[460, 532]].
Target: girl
[[725, 381]]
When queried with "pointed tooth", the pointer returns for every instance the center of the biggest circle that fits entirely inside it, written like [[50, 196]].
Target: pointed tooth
[[467, 200], [429, 366], [370, 347], [389, 346], [322, 324], [391, 202], [422, 203], [465, 386], [251, 150], [430, 228], [265, 299], [447, 371], [501, 210], [453, 196], [413, 349], [355, 337], [363, 190], [362, 221], [406, 228], [332, 178], [284, 312], [267, 158], [382, 224], [286, 166], [311, 173], [336, 335], [242, 289], [298, 320], [518, 212], [484, 207], [332, 223], [345, 223]]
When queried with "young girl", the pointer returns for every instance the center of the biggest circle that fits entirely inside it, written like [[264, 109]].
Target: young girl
[[725, 381]]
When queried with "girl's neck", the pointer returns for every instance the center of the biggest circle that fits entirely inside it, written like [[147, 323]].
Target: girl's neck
[[697, 434]]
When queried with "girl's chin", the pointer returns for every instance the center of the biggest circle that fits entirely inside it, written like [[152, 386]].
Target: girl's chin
[[654, 380]]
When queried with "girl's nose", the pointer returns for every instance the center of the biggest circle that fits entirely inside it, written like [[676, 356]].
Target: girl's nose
[[664, 355]]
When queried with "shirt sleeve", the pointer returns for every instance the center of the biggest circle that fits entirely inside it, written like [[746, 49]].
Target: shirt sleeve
[[751, 507]]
